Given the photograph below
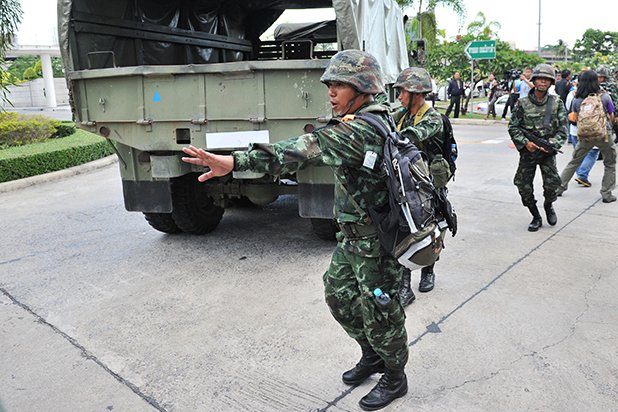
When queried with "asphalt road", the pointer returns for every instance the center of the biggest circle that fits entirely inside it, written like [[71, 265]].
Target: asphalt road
[[100, 313]]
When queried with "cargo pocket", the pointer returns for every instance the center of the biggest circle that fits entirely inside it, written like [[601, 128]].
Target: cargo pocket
[[381, 317], [440, 171]]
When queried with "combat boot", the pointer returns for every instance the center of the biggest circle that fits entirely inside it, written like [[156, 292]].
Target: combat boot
[[369, 364], [427, 279], [406, 296], [392, 385], [537, 222], [552, 219]]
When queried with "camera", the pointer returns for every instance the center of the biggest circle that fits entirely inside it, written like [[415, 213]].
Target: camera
[[515, 74]]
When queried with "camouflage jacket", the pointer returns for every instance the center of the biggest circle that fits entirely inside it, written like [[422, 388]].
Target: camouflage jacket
[[612, 89], [428, 129], [529, 114], [352, 148]]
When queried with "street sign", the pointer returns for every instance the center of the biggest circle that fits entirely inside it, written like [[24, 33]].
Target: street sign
[[481, 49]]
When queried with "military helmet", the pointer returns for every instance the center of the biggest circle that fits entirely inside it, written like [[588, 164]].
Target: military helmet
[[544, 70], [357, 68], [414, 80], [603, 71]]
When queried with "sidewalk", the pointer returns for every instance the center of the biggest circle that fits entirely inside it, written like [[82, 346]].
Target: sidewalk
[[59, 113]]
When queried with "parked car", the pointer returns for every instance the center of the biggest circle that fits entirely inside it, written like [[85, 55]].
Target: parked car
[[482, 107]]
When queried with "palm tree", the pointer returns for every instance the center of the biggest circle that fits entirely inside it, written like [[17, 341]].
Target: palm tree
[[480, 28], [424, 24], [10, 17]]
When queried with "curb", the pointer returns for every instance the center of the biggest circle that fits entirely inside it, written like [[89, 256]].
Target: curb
[[477, 122], [57, 175]]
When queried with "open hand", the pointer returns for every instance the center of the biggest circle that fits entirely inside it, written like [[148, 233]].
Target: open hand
[[219, 165]]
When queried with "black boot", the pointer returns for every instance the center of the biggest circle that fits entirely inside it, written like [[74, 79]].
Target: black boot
[[537, 222], [552, 219], [406, 296], [427, 279], [392, 385], [369, 364]]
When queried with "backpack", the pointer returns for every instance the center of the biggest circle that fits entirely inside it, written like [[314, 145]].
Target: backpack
[[449, 147], [411, 225], [591, 120]]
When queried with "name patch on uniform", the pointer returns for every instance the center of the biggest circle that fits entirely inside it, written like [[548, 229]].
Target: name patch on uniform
[[370, 159]]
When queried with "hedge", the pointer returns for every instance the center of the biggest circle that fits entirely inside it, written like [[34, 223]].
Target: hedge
[[55, 154], [19, 129]]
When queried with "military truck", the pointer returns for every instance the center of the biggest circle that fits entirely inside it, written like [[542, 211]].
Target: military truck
[[153, 77]]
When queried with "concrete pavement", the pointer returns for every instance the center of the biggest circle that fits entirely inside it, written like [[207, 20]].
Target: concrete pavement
[[99, 312]]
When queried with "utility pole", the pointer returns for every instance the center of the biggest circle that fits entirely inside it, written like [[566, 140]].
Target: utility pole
[[539, 38]]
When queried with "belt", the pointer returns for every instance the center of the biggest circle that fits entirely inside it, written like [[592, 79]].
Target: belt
[[353, 231]]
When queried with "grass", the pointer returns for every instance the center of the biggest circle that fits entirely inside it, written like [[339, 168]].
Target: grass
[[77, 139]]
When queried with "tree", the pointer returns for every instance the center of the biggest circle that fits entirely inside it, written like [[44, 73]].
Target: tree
[[595, 41], [482, 29], [445, 60], [423, 25], [10, 17]]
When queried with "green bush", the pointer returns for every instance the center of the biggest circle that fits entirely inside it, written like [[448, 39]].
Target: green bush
[[65, 129], [56, 154], [17, 130]]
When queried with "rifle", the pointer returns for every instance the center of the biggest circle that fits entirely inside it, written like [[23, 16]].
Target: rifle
[[541, 141]]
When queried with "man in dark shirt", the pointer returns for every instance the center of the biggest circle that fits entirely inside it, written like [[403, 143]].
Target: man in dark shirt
[[455, 90], [564, 85]]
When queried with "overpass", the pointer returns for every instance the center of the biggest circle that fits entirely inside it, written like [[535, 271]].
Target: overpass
[[38, 35]]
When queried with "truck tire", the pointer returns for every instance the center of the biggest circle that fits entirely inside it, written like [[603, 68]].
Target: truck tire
[[324, 228], [163, 222], [193, 211]]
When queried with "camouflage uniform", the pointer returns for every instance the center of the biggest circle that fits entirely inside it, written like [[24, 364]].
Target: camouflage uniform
[[529, 114], [359, 264], [426, 134], [609, 85], [425, 130]]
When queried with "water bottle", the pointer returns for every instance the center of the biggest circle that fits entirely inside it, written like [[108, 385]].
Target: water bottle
[[453, 152], [381, 298]]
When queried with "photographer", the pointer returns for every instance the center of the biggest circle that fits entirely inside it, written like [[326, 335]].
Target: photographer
[[511, 86], [524, 84]]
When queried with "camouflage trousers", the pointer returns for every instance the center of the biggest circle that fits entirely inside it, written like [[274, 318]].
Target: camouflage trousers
[[349, 283], [524, 177]]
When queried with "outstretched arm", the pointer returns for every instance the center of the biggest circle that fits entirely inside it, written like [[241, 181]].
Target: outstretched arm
[[219, 165]]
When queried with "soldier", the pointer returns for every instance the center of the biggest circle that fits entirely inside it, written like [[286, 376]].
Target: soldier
[[359, 264], [420, 123], [607, 83], [544, 114]]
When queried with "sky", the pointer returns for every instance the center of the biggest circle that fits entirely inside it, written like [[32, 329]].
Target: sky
[[560, 19]]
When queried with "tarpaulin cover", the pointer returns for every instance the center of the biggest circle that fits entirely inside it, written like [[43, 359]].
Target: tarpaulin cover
[[320, 31], [100, 34]]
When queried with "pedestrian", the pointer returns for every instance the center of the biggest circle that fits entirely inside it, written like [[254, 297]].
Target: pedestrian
[[583, 171], [564, 85], [454, 91], [540, 113], [513, 97], [422, 125], [492, 95], [359, 265], [589, 85]]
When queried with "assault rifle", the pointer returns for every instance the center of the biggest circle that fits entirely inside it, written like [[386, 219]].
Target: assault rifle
[[541, 141]]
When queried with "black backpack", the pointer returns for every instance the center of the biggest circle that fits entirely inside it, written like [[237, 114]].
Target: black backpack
[[411, 225], [449, 147]]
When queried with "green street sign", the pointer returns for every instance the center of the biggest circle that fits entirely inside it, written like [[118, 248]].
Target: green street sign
[[481, 49]]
